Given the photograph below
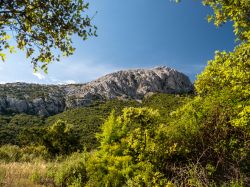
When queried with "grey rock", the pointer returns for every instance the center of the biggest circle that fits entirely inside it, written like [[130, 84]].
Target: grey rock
[[128, 84]]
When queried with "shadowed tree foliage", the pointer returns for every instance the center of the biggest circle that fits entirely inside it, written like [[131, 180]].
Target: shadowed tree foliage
[[60, 139], [43, 29]]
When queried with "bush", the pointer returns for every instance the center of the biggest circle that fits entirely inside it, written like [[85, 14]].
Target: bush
[[10, 153], [32, 153], [60, 139], [128, 152], [201, 144], [13, 153], [70, 172]]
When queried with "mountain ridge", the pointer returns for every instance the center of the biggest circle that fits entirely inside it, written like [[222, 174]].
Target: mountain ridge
[[48, 100]]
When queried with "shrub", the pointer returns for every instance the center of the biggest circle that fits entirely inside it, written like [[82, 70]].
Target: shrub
[[127, 154], [70, 172], [60, 139], [10, 153]]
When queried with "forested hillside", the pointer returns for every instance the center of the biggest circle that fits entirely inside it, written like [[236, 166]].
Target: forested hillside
[[22, 129], [166, 140]]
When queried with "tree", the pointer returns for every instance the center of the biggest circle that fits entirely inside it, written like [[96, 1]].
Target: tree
[[129, 150], [43, 29], [237, 11], [60, 139], [221, 110], [206, 143]]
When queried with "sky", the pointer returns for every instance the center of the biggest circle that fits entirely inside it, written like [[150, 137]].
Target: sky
[[133, 34]]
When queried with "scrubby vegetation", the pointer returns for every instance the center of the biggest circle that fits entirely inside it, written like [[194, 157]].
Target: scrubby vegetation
[[23, 129], [167, 140], [49, 141], [29, 91]]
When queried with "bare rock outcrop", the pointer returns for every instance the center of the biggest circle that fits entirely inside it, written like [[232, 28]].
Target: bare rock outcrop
[[128, 84]]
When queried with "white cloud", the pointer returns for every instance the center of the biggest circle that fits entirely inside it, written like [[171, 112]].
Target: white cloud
[[70, 82], [69, 71], [39, 75], [54, 80], [67, 82]]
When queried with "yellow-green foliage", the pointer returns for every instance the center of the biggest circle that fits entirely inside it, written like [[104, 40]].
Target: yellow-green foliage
[[204, 143], [128, 150], [86, 121], [231, 10], [137, 150], [227, 72], [69, 172], [13, 153], [215, 126], [9, 153]]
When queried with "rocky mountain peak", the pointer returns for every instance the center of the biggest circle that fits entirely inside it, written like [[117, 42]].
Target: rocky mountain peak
[[125, 84]]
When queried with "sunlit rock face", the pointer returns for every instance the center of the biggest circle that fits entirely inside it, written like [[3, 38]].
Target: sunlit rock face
[[128, 84]]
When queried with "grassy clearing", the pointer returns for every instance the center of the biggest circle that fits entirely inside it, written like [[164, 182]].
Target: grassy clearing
[[25, 174]]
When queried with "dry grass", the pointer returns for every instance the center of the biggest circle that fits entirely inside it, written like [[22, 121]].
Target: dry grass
[[17, 174]]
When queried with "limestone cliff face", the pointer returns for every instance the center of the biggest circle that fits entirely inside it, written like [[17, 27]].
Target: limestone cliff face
[[52, 99]]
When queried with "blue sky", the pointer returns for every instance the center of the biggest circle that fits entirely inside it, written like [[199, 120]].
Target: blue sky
[[133, 34]]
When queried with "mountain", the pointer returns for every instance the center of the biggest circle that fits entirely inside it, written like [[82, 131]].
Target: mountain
[[47, 100]]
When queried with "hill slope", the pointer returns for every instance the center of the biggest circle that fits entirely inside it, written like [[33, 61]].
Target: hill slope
[[46, 100], [22, 128]]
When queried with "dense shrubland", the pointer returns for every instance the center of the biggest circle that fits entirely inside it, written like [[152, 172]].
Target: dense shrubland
[[206, 142], [167, 140], [24, 130], [50, 141]]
